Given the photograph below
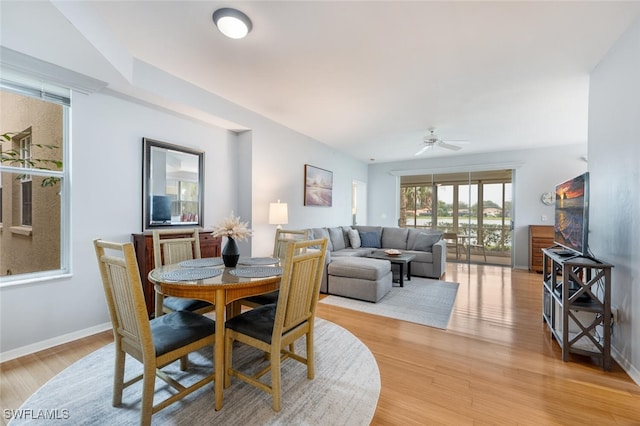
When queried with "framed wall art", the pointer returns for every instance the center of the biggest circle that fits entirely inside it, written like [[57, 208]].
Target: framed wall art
[[318, 186]]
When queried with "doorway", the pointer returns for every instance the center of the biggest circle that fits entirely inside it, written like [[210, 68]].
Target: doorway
[[358, 203]]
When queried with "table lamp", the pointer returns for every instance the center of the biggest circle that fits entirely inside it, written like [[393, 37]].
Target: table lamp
[[278, 214]]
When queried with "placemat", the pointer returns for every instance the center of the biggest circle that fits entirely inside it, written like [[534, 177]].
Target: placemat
[[250, 261], [256, 272], [191, 274], [201, 263]]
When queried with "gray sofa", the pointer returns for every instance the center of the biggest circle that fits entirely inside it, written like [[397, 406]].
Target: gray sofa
[[358, 241]]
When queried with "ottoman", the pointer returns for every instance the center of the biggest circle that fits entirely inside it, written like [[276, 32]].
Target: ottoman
[[359, 278]]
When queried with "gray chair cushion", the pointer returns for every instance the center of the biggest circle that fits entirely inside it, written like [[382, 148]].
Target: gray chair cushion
[[264, 299], [182, 304], [177, 329], [257, 323]]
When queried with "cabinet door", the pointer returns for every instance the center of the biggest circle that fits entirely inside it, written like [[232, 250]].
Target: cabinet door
[[209, 245]]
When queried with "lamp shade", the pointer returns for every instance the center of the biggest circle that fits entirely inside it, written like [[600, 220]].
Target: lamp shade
[[278, 213]]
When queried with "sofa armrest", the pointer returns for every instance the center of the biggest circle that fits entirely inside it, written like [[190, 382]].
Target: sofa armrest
[[439, 251]]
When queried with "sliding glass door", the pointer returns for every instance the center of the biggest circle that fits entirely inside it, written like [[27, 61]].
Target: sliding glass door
[[476, 232]]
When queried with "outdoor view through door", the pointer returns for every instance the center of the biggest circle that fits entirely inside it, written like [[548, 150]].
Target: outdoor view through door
[[476, 232]]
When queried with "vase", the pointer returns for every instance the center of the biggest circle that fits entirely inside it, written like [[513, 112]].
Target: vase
[[230, 253]]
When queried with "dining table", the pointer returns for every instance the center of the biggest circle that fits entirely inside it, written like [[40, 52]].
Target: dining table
[[209, 280]]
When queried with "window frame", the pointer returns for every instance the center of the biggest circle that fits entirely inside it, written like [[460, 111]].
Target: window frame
[[63, 175]]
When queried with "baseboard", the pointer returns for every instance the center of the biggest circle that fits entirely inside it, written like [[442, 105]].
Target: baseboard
[[49, 343], [632, 371]]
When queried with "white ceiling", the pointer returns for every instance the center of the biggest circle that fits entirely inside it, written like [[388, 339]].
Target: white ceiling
[[371, 77]]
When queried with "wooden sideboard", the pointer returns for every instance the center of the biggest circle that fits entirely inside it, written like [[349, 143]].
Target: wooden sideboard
[[210, 246], [540, 237]]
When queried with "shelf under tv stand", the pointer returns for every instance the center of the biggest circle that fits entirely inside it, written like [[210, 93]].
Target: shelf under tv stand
[[576, 303]]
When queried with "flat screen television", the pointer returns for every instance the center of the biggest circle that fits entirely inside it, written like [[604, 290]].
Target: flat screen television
[[572, 215], [160, 209]]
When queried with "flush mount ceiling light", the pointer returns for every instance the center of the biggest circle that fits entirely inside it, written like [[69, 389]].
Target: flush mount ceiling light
[[232, 22]]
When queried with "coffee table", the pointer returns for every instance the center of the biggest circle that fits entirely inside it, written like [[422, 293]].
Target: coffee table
[[400, 259]]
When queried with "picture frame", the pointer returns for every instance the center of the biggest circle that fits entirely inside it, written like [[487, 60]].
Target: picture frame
[[318, 186], [172, 185]]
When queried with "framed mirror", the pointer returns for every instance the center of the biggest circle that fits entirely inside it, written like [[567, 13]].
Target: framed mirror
[[173, 185]]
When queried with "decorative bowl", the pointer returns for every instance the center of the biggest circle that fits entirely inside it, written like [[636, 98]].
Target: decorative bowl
[[393, 252]]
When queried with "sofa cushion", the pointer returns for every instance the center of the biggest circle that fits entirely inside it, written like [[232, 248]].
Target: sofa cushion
[[337, 238], [394, 238], [359, 267], [370, 239], [354, 238], [425, 242], [366, 228], [318, 233], [413, 234], [361, 252]]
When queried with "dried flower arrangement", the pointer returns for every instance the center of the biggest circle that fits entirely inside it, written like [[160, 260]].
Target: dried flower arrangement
[[232, 227]]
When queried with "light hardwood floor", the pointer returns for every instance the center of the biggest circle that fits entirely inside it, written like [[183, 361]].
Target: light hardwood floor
[[495, 364]]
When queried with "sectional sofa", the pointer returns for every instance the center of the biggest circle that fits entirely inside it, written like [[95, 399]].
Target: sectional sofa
[[359, 241]]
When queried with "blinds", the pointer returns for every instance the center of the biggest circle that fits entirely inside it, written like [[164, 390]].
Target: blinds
[[491, 176]]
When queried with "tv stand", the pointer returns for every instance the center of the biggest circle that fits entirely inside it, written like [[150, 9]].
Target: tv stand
[[576, 304]]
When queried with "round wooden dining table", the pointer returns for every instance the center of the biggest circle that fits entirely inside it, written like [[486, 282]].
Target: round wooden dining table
[[221, 290]]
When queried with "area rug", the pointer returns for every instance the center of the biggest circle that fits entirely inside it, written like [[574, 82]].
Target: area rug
[[344, 391], [421, 300]]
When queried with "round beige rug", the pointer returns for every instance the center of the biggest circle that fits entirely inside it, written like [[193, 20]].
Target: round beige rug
[[344, 391]]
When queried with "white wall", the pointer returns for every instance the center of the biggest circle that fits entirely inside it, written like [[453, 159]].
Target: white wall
[[106, 203], [243, 173], [536, 171], [614, 154]]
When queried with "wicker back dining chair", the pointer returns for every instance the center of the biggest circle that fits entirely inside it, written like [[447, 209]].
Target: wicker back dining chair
[[286, 236], [155, 343], [274, 328], [172, 246], [283, 238]]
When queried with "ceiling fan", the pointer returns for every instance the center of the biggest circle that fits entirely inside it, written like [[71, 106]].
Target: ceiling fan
[[431, 140]]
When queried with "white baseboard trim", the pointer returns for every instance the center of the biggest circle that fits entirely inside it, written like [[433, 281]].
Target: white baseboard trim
[[49, 343], [632, 371]]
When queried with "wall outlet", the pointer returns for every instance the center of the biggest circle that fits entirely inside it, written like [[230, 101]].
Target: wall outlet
[[544, 218]]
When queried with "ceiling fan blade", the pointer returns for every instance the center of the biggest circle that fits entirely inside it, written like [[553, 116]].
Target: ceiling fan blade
[[449, 146], [423, 149]]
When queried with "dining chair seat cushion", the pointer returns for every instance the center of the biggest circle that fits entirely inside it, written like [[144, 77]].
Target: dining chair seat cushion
[[183, 304], [264, 299], [180, 328], [257, 323]]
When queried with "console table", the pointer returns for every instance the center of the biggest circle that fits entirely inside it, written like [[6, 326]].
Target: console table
[[210, 246], [576, 303], [540, 237]]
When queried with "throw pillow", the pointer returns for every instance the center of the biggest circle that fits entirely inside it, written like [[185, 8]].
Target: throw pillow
[[370, 239], [425, 242], [354, 238]]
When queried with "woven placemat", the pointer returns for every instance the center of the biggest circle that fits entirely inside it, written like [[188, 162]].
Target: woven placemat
[[256, 272], [251, 261], [191, 274], [201, 263]]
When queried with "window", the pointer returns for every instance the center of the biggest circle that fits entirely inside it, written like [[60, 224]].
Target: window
[[25, 180], [475, 207], [34, 180]]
